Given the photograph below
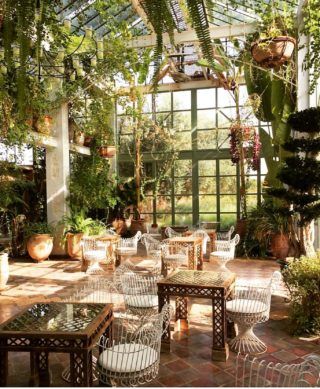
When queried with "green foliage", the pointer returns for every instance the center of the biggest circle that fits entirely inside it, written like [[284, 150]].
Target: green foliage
[[77, 222], [302, 277], [38, 228], [302, 145], [307, 120]]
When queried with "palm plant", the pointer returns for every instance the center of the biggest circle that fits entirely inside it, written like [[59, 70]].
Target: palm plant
[[76, 223]]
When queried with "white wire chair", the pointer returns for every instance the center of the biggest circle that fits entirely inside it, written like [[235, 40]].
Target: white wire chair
[[140, 292], [225, 251], [174, 256], [249, 306], [260, 373], [152, 245], [131, 357], [225, 235], [128, 246], [171, 233], [94, 251], [96, 291], [201, 233]]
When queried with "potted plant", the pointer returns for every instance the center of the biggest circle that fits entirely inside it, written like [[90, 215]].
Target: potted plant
[[4, 268], [39, 240]]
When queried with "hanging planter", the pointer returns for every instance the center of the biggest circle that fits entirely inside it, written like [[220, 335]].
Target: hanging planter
[[107, 151], [273, 52]]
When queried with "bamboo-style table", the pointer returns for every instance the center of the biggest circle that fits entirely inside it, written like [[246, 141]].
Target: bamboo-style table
[[200, 284], [194, 244], [72, 328], [212, 235]]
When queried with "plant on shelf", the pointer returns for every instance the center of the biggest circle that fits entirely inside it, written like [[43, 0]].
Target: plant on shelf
[[300, 176], [39, 240], [302, 277]]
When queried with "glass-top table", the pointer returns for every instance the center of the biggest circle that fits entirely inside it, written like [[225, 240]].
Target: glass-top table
[[72, 328]]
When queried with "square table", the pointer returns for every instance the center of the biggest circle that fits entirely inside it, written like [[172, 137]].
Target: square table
[[212, 235], [72, 328], [195, 260], [200, 284]]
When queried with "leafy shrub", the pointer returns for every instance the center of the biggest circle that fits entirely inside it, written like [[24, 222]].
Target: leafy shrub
[[302, 277]]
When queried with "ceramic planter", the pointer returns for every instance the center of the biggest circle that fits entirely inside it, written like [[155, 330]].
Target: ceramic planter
[[44, 125], [74, 245], [280, 245], [273, 52], [4, 270], [138, 225], [79, 138], [107, 151], [39, 246]]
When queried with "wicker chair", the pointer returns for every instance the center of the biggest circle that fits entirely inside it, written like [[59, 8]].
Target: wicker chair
[[250, 305], [96, 291], [225, 235], [225, 251], [94, 251], [152, 245], [171, 233], [128, 246], [205, 239], [174, 256], [132, 356], [259, 373]]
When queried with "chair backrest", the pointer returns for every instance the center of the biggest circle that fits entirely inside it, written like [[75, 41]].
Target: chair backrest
[[171, 233], [131, 242], [260, 373], [151, 244], [201, 233], [228, 246], [225, 235], [92, 246]]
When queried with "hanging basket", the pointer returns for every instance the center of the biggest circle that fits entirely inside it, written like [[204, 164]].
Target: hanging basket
[[273, 52], [107, 151]]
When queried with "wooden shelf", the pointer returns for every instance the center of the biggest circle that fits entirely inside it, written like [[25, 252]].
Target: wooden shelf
[[79, 149]]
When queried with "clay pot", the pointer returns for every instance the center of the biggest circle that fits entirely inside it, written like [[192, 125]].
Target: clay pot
[[120, 226], [74, 245], [107, 151], [39, 246], [88, 140], [241, 228], [138, 225], [273, 52], [79, 138], [280, 245], [4, 270], [44, 125]]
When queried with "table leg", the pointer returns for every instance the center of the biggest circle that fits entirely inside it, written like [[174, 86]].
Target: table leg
[[192, 262], [199, 257], [39, 366], [165, 341], [81, 368], [3, 367], [220, 349]]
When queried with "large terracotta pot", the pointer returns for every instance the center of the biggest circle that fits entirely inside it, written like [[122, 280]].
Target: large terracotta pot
[[44, 125], [241, 228], [273, 52], [4, 270], [39, 246], [74, 245], [280, 245], [138, 225]]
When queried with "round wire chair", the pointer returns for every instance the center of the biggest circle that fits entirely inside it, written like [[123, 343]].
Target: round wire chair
[[201, 233], [131, 357], [171, 233], [225, 251], [225, 235], [152, 245], [250, 305], [96, 291], [128, 246], [94, 251], [174, 256], [251, 372]]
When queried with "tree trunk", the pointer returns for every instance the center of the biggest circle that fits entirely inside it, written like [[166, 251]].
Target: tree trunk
[[306, 240]]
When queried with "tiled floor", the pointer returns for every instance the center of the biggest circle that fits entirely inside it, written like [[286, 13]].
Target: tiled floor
[[189, 363]]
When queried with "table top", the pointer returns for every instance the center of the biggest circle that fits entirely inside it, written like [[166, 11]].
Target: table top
[[106, 237], [185, 239], [204, 278], [58, 317]]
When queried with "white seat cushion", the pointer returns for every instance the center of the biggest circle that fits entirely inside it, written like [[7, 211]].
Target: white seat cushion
[[246, 306], [225, 254], [127, 358], [126, 250], [175, 258], [95, 255], [142, 300]]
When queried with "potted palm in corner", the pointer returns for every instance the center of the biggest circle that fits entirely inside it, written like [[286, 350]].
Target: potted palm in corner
[[39, 240]]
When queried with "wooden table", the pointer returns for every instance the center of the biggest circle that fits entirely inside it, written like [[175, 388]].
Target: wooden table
[[72, 328], [200, 284], [194, 244], [212, 235]]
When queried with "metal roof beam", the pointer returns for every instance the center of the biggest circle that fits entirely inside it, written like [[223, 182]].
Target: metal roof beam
[[216, 32], [140, 11]]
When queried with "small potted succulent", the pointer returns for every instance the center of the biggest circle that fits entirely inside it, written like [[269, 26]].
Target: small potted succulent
[[39, 240]]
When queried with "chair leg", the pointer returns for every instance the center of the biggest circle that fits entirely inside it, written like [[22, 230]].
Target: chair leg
[[246, 342], [94, 268]]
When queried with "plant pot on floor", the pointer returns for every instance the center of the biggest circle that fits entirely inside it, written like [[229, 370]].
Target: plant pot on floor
[[74, 245], [280, 245], [107, 151], [4, 270], [39, 246], [273, 52], [138, 225]]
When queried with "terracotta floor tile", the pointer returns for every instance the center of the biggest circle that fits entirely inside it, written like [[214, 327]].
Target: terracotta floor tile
[[177, 366], [284, 356]]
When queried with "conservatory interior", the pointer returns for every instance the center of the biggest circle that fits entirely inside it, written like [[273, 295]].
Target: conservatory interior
[[159, 193]]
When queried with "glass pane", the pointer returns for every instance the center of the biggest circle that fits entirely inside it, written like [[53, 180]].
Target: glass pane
[[225, 117], [207, 185], [228, 185], [225, 98], [183, 185], [251, 201], [124, 125], [207, 203], [183, 168], [182, 100], [164, 119], [227, 220], [206, 98], [207, 168], [208, 139], [163, 204], [223, 138], [183, 141], [165, 186], [164, 220], [126, 144], [148, 217], [243, 94], [126, 169], [263, 166], [163, 102], [206, 118], [183, 219], [228, 203], [182, 121], [147, 106], [183, 203], [146, 205], [207, 217], [252, 184], [226, 167]]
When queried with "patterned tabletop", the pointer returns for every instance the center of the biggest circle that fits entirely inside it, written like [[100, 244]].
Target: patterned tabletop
[[54, 317], [209, 279], [185, 239]]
